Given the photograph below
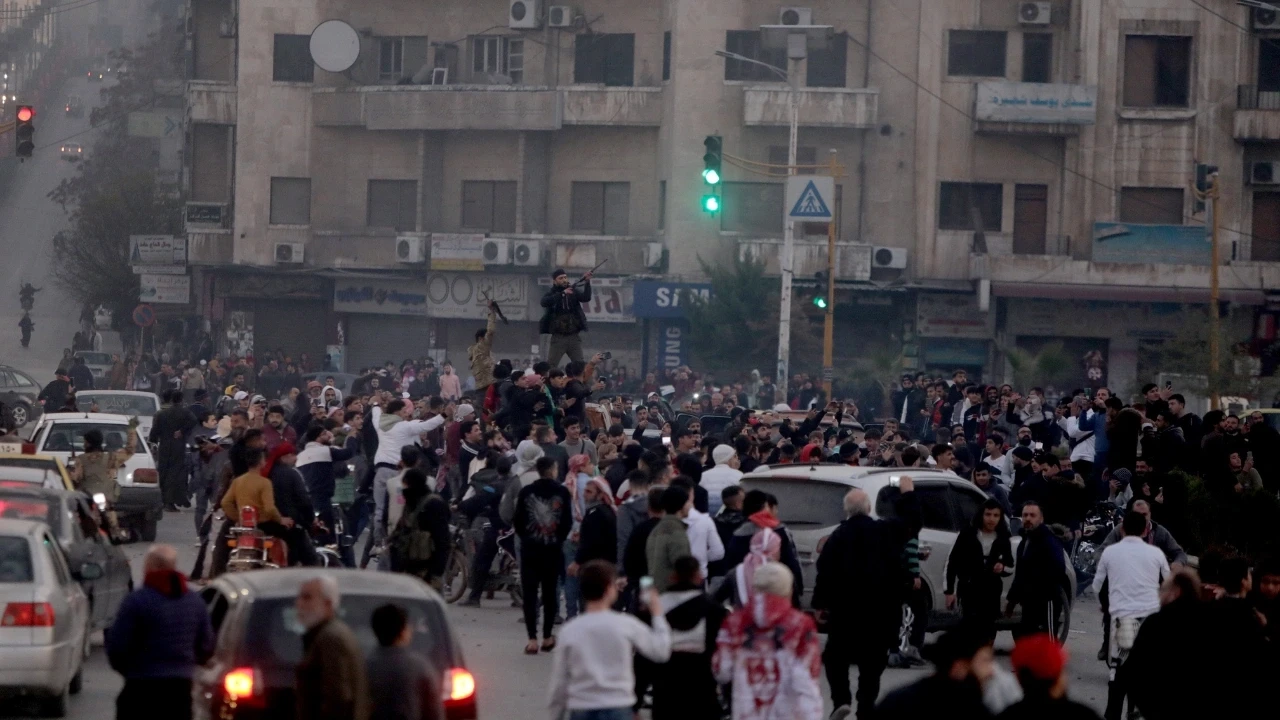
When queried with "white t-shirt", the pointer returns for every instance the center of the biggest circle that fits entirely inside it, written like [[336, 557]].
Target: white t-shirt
[[591, 668], [704, 541], [1135, 570], [716, 479]]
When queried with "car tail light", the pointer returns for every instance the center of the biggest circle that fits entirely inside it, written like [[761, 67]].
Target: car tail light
[[146, 475], [17, 614], [459, 684], [243, 685]]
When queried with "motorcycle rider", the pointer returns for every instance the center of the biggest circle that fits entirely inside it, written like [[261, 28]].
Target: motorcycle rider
[[253, 489], [96, 469], [27, 326], [27, 295]]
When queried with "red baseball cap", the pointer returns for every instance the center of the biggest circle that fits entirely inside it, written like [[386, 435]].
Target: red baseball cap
[[1040, 655]]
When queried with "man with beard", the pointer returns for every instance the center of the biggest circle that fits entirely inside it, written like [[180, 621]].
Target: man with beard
[[316, 464], [1041, 569], [564, 319], [1264, 441], [1027, 485], [908, 401], [169, 431], [1218, 447], [277, 431]]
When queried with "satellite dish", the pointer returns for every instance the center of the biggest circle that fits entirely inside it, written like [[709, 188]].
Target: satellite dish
[[335, 46]]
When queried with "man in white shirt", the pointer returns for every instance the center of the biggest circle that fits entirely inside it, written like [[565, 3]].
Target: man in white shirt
[[1133, 571], [592, 668], [1001, 464], [724, 474], [704, 540], [395, 431], [1082, 441]]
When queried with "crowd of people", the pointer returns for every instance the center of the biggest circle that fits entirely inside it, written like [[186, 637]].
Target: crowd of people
[[679, 584]]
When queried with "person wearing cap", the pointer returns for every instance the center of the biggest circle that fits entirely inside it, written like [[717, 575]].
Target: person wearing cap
[[54, 395], [962, 664], [724, 474], [1041, 666], [564, 318]]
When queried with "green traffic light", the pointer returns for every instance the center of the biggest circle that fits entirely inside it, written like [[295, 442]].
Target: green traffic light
[[711, 203], [711, 176], [820, 302]]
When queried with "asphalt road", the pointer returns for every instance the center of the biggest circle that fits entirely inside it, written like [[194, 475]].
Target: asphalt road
[[28, 222], [513, 685]]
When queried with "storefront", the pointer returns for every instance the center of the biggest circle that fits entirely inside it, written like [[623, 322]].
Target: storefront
[[954, 334], [269, 312], [383, 319]]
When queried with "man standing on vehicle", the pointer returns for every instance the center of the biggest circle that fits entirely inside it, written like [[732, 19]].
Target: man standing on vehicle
[[1037, 585], [564, 319], [160, 635], [169, 432], [331, 679]]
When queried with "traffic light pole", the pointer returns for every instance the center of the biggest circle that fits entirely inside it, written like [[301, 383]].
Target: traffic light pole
[[1215, 321], [829, 320], [787, 261]]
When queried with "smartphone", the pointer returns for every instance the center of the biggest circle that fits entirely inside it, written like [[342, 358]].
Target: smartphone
[[646, 583], [608, 355], [1168, 385]]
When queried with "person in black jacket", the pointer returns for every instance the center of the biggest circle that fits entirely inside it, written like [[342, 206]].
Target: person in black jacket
[[598, 534], [543, 519], [293, 502], [483, 497], [432, 515], [761, 511], [1041, 572], [859, 590], [564, 319], [981, 557]]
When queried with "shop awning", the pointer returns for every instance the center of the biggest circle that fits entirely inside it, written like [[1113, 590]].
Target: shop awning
[[1124, 293]]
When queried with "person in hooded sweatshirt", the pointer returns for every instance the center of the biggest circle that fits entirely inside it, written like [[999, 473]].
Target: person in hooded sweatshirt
[[543, 518], [684, 685], [761, 509]]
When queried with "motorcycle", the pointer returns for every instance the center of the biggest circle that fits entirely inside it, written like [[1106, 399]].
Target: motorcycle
[[329, 554], [1098, 523], [252, 549]]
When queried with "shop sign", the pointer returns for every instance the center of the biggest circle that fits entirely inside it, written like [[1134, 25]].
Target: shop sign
[[1045, 103], [157, 250], [656, 299], [463, 295], [673, 344], [379, 297], [457, 252], [953, 315], [165, 289]]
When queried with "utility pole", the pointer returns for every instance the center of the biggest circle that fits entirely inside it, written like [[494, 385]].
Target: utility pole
[[1215, 321], [787, 261], [829, 320]]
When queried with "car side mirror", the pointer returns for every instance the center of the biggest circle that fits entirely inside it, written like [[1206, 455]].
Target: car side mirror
[[90, 571]]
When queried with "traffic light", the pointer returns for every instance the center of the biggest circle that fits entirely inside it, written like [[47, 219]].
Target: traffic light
[[712, 159], [25, 131], [711, 204], [820, 293], [1203, 172]]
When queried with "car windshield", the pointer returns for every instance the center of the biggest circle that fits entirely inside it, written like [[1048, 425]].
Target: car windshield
[[15, 560], [91, 358], [69, 436], [803, 504], [20, 506], [274, 635], [129, 405]]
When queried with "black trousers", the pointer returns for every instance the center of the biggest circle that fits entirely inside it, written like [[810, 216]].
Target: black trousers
[[1037, 616], [540, 568], [871, 658], [483, 560], [168, 698]]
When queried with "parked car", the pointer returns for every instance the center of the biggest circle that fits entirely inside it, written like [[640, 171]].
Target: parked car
[[44, 627], [140, 506], [251, 674], [130, 403], [72, 152], [18, 393], [75, 525], [99, 364], [811, 505], [96, 74], [22, 470]]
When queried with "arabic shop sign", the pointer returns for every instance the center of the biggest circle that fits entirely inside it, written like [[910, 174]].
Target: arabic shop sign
[[379, 297], [1048, 103]]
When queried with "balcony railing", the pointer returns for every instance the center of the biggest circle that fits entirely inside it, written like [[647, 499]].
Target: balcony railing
[[1249, 97]]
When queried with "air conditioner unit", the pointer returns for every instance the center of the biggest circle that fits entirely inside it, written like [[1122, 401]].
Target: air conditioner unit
[[795, 16], [889, 257], [1035, 13], [1264, 173], [497, 251], [653, 254], [1266, 19], [525, 15], [560, 16], [411, 249], [526, 253], [290, 253]]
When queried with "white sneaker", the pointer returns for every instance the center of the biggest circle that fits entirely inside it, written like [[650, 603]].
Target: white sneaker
[[841, 712]]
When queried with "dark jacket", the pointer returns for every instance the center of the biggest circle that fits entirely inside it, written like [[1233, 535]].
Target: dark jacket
[[434, 517], [635, 564], [934, 697], [1041, 568], [861, 575], [489, 487], [316, 463], [739, 547], [1046, 709], [331, 682], [161, 630], [544, 515], [971, 568], [598, 535], [291, 496], [403, 686], [81, 376], [557, 302], [1175, 643], [668, 542], [1027, 485]]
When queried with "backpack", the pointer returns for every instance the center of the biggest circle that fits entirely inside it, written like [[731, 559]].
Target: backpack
[[409, 545]]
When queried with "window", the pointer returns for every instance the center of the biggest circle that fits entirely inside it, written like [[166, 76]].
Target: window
[[662, 204], [752, 208], [393, 204], [515, 60], [968, 504], [1269, 65], [1151, 206], [1265, 244], [747, 44], [962, 206], [489, 205], [605, 58], [292, 59], [1037, 57], [56, 559], [826, 67], [666, 55], [494, 55], [15, 560], [600, 207], [978, 53], [804, 156], [290, 201], [1157, 71], [1030, 219], [390, 59]]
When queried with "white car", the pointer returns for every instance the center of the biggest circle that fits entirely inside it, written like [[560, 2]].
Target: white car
[[44, 626], [129, 403], [811, 505], [140, 506]]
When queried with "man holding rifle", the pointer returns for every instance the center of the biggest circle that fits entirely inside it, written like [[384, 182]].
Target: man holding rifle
[[564, 318]]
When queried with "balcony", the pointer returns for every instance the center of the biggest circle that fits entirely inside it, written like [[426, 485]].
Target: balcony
[[439, 107], [853, 261], [854, 109], [210, 247], [613, 106], [1046, 109], [1257, 116], [209, 101]]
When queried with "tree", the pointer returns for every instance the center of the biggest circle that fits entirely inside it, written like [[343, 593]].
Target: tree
[[736, 328], [1051, 367]]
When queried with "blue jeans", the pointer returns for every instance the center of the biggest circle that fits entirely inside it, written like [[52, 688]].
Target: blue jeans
[[601, 714], [570, 584]]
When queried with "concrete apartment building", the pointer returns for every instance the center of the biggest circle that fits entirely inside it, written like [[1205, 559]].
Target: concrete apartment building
[[474, 146]]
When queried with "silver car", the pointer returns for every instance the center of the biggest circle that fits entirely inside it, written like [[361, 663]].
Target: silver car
[[811, 505], [44, 629]]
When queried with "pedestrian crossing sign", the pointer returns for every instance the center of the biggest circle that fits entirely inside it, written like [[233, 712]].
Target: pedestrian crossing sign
[[806, 197]]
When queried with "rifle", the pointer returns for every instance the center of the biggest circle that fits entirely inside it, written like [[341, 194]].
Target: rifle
[[592, 271], [496, 308]]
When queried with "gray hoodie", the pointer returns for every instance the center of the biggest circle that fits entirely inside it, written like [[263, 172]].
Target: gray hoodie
[[630, 514]]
